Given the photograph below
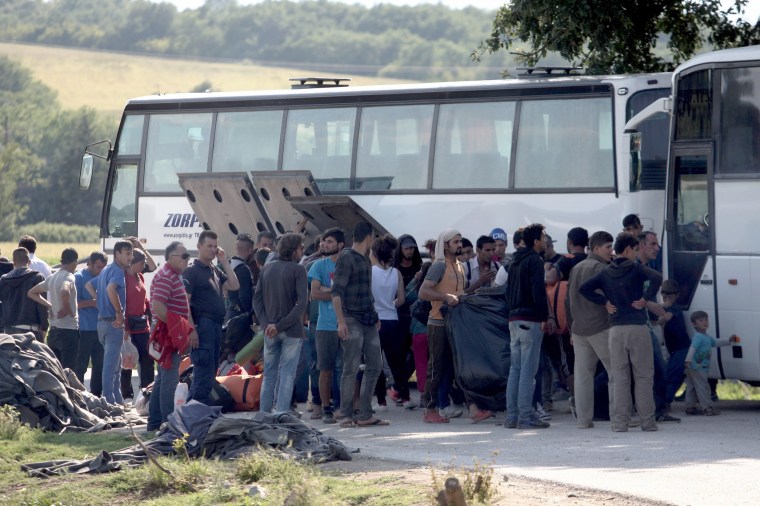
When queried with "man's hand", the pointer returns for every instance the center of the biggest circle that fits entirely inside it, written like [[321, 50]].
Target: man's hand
[[194, 340], [270, 331], [662, 320], [655, 308], [611, 309], [451, 299], [486, 277], [550, 326], [64, 311], [377, 325], [639, 304], [342, 330], [220, 256], [118, 322], [126, 335]]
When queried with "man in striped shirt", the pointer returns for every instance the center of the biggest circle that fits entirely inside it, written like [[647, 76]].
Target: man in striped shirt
[[167, 294]]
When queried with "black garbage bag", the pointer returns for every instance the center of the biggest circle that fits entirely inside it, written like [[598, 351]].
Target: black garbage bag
[[478, 330]]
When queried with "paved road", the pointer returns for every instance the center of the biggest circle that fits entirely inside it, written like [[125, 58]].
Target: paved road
[[701, 461]]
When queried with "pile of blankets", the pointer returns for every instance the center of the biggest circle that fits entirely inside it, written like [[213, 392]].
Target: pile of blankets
[[208, 433], [47, 396]]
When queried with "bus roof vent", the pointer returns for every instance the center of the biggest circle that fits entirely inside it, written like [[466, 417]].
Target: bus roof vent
[[548, 71], [318, 82]]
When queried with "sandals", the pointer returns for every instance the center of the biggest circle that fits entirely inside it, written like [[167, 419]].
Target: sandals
[[349, 424]]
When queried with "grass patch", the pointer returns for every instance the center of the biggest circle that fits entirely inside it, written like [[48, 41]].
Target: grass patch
[[477, 482], [51, 251]]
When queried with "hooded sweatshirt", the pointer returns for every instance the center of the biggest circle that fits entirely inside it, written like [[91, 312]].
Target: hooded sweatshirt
[[526, 291], [622, 283], [18, 308]]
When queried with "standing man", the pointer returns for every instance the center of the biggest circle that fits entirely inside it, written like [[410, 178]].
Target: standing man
[[620, 287], [168, 296], [577, 240], [205, 284], [327, 343], [111, 299], [36, 264], [590, 328], [21, 314], [280, 302], [264, 241], [500, 251], [241, 300], [358, 326], [481, 270], [61, 302], [528, 308], [90, 348], [649, 250]]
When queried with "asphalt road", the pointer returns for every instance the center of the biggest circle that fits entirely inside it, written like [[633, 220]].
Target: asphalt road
[[700, 461]]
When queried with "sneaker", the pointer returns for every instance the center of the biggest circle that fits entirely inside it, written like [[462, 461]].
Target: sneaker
[[711, 412], [714, 397], [571, 401], [480, 415], [379, 408], [408, 404], [328, 416], [695, 411], [548, 406], [450, 411], [434, 416], [533, 423], [589, 425], [667, 418], [510, 424], [649, 428], [618, 429], [542, 414]]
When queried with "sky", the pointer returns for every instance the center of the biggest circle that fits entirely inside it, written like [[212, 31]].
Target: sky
[[753, 7]]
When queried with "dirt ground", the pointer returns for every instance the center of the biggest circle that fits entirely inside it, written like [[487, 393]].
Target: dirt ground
[[512, 490]]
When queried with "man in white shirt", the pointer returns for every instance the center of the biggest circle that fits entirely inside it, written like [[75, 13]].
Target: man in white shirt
[[36, 264]]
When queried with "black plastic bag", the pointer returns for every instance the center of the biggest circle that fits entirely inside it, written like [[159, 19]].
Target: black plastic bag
[[478, 330]]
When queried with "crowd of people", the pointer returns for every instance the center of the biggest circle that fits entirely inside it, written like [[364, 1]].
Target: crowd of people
[[363, 319]]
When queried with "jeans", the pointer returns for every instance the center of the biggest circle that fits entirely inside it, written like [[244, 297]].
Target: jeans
[[205, 359], [90, 349], [525, 350], [675, 372], [281, 355], [162, 398], [111, 339], [362, 339], [660, 380], [311, 354]]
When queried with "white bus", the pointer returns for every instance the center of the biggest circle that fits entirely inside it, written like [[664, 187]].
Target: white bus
[[713, 205], [417, 158]]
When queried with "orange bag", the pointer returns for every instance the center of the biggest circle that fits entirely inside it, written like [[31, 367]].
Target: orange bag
[[245, 390], [184, 364]]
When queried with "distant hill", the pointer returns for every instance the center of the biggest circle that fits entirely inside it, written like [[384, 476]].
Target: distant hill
[[105, 80]]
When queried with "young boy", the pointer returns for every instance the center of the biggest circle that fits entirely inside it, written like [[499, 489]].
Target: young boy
[[676, 337], [698, 364]]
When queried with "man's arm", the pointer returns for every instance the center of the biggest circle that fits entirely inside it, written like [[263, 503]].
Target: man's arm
[[35, 293], [296, 313], [159, 310], [90, 287], [317, 293], [340, 281], [113, 297], [232, 282], [590, 287]]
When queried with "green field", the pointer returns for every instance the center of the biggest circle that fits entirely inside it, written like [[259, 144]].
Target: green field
[[51, 251], [105, 81]]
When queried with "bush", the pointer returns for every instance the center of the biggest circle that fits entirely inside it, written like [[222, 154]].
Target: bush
[[10, 424], [57, 232]]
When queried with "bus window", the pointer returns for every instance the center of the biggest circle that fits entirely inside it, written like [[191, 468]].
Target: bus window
[[692, 220], [650, 172], [473, 145], [130, 138], [693, 108], [176, 143], [122, 212], [247, 141], [394, 147], [321, 140], [740, 121], [565, 144]]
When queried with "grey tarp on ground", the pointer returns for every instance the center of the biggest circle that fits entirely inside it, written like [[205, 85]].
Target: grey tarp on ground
[[212, 435], [33, 380]]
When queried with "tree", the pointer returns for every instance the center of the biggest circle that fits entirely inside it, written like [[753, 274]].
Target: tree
[[617, 36]]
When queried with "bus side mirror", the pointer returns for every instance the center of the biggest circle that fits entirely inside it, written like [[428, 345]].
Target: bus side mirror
[[85, 174]]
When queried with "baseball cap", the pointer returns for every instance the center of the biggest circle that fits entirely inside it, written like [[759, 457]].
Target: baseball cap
[[408, 242], [498, 234]]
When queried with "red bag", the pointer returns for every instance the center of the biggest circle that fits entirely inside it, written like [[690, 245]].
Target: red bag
[[245, 390]]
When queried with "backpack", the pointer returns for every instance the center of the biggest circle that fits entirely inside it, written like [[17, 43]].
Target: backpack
[[420, 310]]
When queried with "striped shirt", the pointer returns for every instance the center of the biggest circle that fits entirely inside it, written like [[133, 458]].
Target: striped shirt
[[167, 287]]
